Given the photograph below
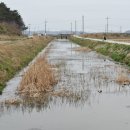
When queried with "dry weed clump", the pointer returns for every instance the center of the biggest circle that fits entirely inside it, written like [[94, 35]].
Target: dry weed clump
[[12, 102], [38, 79], [65, 93], [82, 49], [123, 79]]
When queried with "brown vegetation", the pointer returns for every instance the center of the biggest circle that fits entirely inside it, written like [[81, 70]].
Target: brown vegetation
[[65, 93], [12, 102], [123, 79], [38, 79], [10, 38], [82, 49], [9, 29]]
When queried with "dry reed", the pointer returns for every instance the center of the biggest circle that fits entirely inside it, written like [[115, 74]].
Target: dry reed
[[12, 102], [38, 79], [123, 79], [82, 49]]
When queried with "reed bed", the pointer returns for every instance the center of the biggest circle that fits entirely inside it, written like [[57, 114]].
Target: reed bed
[[38, 79]]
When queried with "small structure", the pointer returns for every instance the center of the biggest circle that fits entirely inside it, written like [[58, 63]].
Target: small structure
[[64, 36]]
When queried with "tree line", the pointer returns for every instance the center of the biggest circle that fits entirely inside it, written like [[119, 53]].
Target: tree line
[[11, 16]]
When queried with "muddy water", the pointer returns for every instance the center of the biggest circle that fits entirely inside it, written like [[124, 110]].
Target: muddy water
[[90, 98]]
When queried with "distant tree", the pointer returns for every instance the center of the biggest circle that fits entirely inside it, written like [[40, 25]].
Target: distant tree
[[11, 16]]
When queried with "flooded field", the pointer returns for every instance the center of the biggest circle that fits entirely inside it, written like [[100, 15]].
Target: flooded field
[[89, 95]]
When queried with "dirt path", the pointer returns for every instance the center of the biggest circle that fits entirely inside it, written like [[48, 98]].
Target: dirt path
[[101, 40], [87, 95]]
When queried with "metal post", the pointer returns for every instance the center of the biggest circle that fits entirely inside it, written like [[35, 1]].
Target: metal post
[[83, 24]]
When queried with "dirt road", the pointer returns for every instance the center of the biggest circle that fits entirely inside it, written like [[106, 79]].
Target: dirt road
[[101, 40]]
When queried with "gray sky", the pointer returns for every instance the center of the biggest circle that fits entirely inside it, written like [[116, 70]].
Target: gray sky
[[60, 13]]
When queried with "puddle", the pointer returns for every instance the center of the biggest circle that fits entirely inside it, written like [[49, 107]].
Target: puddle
[[87, 95]]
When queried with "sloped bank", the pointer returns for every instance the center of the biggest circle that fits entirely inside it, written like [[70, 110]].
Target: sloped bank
[[16, 55], [118, 52]]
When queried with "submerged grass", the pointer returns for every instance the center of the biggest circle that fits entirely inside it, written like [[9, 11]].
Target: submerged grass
[[82, 49], [118, 52], [17, 54], [123, 79]]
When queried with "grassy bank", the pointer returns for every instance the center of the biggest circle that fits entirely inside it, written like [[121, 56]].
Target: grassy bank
[[17, 54], [118, 52]]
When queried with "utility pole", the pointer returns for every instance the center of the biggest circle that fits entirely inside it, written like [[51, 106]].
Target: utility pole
[[34, 32], [120, 29], [45, 27], [37, 29], [75, 27], [107, 24], [105, 29], [83, 24], [29, 26], [71, 27]]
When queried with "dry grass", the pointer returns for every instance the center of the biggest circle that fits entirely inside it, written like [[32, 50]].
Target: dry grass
[[38, 79], [123, 79], [82, 49], [64, 93], [9, 38], [12, 102]]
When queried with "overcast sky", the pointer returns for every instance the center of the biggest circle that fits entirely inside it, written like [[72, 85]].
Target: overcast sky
[[60, 13]]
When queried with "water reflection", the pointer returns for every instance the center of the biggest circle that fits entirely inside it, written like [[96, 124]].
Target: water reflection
[[48, 101]]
